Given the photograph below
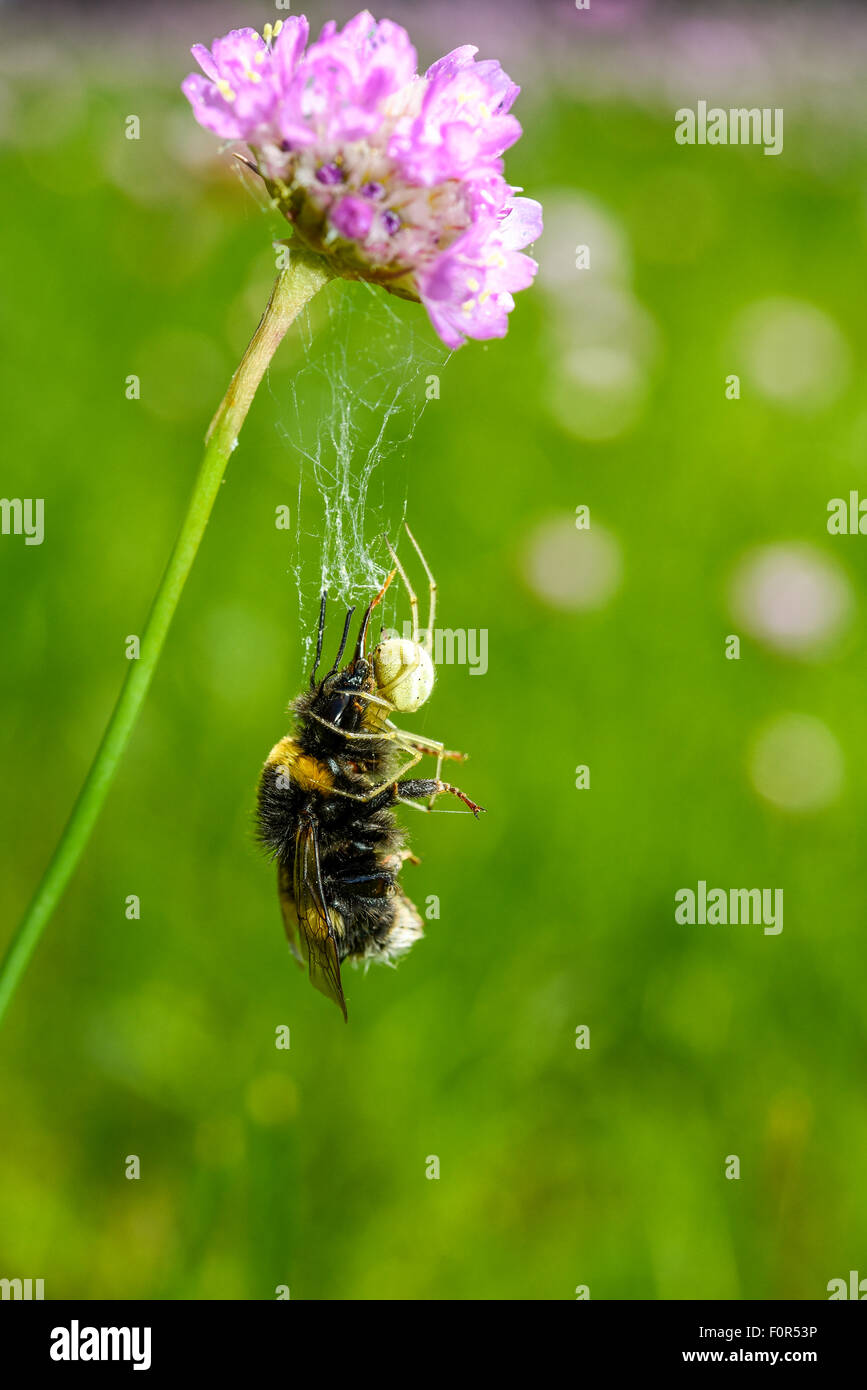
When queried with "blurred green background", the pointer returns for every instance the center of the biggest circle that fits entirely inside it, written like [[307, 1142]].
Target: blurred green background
[[559, 1167]]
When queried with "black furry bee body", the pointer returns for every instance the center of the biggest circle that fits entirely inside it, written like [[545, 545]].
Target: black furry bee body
[[327, 796]]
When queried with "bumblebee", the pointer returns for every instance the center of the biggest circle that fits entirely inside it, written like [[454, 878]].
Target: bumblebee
[[328, 793]]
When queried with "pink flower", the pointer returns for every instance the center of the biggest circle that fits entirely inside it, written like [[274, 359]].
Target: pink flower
[[468, 290], [396, 178], [352, 217], [463, 127], [236, 98]]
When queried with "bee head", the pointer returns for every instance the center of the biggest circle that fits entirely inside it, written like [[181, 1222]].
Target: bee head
[[399, 670]]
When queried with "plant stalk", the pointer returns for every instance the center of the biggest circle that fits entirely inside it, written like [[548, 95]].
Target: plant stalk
[[293, 288]]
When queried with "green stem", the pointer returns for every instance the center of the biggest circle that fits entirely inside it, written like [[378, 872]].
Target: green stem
[[293, 288]]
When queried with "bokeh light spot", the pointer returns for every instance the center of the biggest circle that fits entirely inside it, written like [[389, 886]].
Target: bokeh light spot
[[796, 763], [792, 598], [792, 353], [573, 220], [571, 568]]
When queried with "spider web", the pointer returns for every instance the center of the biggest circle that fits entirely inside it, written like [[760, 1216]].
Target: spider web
[[355, 399]]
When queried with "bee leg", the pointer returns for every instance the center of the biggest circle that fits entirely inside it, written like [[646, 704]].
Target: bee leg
[[417, 788], [395, 861], [398, 858]]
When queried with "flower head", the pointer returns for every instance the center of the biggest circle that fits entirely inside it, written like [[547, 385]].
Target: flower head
[[394, 177]]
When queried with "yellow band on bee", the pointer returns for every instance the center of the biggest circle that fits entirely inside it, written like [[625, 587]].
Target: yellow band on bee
[[306, 771]]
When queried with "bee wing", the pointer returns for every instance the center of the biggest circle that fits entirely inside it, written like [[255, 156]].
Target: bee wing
[[287, 907], [314, 918]]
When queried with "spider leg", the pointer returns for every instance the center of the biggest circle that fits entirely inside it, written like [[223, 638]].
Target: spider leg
[[382, 787], [432, 586], [413, 601], [372, 699], [379, 704], [346, 733], [436, 779], [427, 745]]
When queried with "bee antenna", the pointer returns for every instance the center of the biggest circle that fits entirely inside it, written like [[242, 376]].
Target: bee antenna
[[341, 649], [319, 636]]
